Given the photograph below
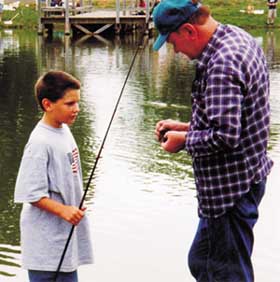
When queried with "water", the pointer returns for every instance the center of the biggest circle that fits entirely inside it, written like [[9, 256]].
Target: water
[[141, 203]]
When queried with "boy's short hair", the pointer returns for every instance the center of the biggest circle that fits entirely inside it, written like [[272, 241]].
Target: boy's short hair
[[53, 84]]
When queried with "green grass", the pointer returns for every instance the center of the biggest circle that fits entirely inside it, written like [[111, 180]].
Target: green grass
[[27, 17], [226, 11]]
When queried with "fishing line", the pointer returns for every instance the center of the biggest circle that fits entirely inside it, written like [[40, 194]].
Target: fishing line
[[140, 45]]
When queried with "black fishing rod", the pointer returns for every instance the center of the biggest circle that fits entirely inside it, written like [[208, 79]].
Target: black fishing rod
[[139, 46]]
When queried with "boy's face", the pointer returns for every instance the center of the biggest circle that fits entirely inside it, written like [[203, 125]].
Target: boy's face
[[64, 110]]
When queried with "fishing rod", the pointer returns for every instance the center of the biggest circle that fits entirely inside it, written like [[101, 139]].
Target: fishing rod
[[139, 46]]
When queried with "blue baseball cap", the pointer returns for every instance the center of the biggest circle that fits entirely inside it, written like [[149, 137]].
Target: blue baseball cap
[[169, 15]]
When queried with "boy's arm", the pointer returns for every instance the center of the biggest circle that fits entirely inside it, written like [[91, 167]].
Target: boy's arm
[[71, 214]]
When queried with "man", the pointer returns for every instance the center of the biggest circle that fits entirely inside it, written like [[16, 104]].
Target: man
[[272, 11], [226, 138]]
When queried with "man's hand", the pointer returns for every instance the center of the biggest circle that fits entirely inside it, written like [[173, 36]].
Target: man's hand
[[173, 141], [166, 125], [172, 134]]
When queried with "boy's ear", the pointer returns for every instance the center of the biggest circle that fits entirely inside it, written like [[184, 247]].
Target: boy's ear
[[47, 104]]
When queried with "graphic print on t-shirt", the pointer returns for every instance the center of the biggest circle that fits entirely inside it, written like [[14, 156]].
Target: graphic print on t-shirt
[[74, 160]]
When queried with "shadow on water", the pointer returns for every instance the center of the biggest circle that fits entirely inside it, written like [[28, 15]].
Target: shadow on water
[[158, 88]]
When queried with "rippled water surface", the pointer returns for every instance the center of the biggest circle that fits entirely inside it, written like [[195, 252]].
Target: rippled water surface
[[141, 202]]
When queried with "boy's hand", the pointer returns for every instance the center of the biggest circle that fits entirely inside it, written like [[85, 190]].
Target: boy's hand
[[72, 214]]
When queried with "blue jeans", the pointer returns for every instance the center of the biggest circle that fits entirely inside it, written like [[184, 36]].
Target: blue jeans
[[222, 247], [48, 276]]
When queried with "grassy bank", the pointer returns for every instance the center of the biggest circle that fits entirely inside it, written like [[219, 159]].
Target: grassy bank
[[224, 11], [25, 16]]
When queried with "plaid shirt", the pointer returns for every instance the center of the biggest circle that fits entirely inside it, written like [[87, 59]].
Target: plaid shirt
[[230, 120]]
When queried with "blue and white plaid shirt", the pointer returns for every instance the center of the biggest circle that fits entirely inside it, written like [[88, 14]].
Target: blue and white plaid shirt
[[230, 120]]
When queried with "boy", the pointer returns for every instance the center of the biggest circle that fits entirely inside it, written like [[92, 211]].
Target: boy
[[49, 183]]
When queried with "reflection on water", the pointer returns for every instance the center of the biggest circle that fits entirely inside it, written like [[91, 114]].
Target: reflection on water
[[9, 258], [142, 200]]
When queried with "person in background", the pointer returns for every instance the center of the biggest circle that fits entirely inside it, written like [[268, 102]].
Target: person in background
[[142, 7], [272, 11], [56, 3], [142, 4], [49, 184], [227, 136]]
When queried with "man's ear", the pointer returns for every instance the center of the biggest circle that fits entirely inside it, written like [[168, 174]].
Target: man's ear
[[47, 104], [189, 30]]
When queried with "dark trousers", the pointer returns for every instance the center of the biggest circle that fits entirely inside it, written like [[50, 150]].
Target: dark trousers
[[48, 276], [222, 247]]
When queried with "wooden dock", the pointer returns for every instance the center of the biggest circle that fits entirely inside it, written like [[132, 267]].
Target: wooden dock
[[89, 21]]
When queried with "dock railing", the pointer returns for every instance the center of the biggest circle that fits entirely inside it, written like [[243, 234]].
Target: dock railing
[[133, 8], [51, 12], [61, 10]]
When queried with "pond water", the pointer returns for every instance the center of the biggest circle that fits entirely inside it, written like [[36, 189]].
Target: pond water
[[141, 203]]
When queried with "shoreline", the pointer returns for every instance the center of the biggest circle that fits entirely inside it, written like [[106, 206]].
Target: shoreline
[[236, 13]]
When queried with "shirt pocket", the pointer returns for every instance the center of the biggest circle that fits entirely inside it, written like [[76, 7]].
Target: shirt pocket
[[198, 91]]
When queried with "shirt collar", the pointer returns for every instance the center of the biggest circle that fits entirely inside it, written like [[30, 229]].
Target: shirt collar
[[211, 46]]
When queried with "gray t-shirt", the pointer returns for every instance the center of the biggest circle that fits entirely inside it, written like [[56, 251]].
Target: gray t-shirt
[[50, 167]]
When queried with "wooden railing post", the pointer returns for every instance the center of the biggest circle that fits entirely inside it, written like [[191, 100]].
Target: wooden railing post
[[147, 11], [117, 11], [67, 22], [40, 26], [117, 26], [124, 7], [147, 17]]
